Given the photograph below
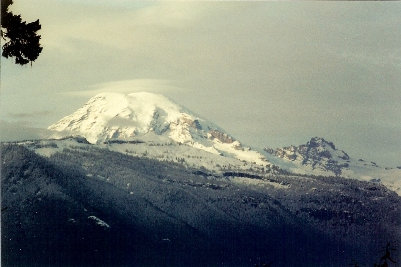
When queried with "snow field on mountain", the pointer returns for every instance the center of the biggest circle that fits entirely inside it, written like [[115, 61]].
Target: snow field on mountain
[[186, 155], [158, 148], [258, 183]]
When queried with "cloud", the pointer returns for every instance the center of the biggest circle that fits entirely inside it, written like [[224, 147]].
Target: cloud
[[127, 86], [17, 131], [117, 24], [287, 71], [23, 115]]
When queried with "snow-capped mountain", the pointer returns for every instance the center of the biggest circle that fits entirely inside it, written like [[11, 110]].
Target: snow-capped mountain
[[115, 116], [151, 125], [320, 157]]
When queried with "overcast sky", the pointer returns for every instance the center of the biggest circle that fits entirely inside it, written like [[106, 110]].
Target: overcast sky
[[269, 73]]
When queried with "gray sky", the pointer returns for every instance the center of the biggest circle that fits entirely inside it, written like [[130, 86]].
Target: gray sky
[[269, 73]]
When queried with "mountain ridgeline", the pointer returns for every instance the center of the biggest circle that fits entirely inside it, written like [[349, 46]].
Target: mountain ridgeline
[[137, 180], [321, 157]]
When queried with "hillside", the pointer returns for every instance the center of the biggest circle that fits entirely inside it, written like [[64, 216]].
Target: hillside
[[85, 205]]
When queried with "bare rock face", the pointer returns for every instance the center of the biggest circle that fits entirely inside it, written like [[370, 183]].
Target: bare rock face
[[194, 123], [317, 154], [222, 137]]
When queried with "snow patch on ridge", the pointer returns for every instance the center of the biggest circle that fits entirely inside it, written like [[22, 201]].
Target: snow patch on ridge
[[99, 221]]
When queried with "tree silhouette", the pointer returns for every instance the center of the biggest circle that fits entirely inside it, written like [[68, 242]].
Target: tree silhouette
[[387, 256], [21, 38]]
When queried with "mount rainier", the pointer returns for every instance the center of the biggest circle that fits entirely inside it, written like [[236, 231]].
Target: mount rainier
[[151, 125], [151, 117]]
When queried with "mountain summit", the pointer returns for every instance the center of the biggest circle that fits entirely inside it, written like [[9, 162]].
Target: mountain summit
[[318, 154], [109, 116], [115, 116]]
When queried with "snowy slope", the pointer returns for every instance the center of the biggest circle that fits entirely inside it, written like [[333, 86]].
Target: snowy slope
[[115, 116], [153, 147], [321, 157]]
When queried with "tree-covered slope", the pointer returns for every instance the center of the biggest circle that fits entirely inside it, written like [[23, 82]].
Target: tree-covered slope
[[90, 206]]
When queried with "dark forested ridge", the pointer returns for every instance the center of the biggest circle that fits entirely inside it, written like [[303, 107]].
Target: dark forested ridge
[[93, 207]]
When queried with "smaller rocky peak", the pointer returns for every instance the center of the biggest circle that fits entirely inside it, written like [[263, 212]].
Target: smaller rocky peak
[[320, 142]]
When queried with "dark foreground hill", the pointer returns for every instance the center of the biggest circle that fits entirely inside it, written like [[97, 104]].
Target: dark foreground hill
[[92, 207]]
